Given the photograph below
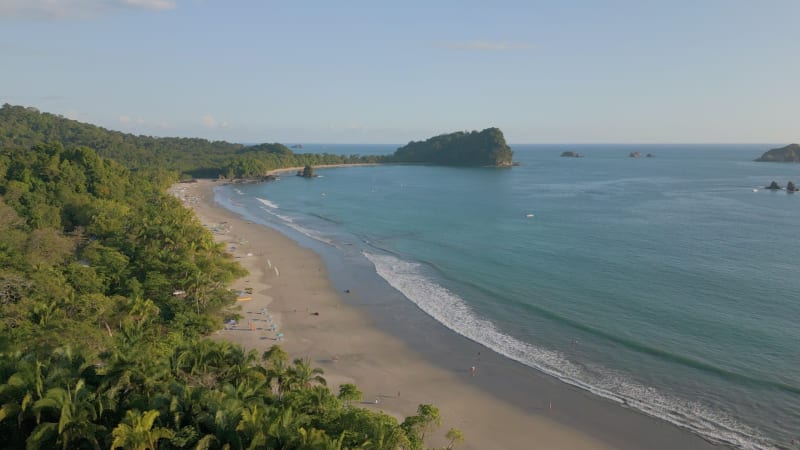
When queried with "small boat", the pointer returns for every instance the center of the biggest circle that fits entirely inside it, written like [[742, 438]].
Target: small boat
[[529, 216]]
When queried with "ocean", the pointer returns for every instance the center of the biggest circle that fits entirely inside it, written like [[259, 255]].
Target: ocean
[[668, 283]]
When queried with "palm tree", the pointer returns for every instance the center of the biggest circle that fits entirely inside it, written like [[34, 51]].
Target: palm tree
[[277, 368], [129, 372], [24, 387], [426, 419], [136, 431], [198, 360], [72, 413], [222, 415], [302, 375], [283, 429], [319, 440], [253, 425], [241, 367], [455, 436], [385, 433], [349, 392]]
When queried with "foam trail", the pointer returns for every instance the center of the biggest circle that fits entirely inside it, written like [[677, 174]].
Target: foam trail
[[451, 311], [289, 222], [266, 202]]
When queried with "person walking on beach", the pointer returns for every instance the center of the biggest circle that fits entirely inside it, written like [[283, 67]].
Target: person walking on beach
[[472, 371]]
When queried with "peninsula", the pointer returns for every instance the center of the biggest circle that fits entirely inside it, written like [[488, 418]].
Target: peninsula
[[475, 148], [790, 153]]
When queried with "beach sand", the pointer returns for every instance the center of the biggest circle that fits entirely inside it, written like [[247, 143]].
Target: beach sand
[[503, 405]]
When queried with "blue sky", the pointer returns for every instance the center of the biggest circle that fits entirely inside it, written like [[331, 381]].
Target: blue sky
[[365, 72]]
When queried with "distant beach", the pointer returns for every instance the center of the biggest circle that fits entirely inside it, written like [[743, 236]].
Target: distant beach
[[289, 299]]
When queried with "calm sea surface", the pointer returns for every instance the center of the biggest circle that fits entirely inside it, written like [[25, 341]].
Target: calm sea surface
[[667, 283]]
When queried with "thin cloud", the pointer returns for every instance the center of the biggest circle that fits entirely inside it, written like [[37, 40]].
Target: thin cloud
[[128, 120], [211, 122], [158, 5], [75, 9], [486, 46]]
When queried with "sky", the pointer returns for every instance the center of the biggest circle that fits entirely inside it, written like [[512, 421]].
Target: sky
[[570, 71]]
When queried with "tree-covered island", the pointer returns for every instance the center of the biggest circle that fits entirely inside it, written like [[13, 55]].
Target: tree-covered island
[[789, 153], [476, 148]]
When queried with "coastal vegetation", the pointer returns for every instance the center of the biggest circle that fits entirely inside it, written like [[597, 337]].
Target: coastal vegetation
[[21, 128], [789, 153], [108, 286], [475, 148]]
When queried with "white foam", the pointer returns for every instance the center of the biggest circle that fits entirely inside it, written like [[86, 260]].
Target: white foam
[[451, 311], [284, 218], [309, 233], [289, 222], [267, 203]]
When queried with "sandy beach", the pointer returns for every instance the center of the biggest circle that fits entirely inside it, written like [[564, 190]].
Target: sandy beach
[[501, 405]]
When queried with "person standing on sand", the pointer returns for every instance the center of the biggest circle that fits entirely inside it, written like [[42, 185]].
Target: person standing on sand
[[472, 371]]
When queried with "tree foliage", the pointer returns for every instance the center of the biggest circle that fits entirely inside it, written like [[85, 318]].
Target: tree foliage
[[22, 128], [475, 148], [97, 352]]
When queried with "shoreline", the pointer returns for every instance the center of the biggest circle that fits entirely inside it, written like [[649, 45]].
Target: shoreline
[[290, 283]]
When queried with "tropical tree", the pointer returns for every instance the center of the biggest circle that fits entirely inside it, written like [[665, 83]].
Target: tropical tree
[[348, 393], [417, 426], [454, 436], [284, 428], [277, 368], [302, 375], [136, 431], [67, 417]]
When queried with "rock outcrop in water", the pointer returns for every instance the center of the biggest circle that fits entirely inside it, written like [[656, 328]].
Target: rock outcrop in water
[[774, 186], [476, 148], [790, 187], [307, 172], [635, 155], [790, 153], [570, 154]]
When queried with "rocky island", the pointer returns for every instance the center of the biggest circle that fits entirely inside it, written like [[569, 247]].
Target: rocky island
[[476, 148], [790, 153], [570, 154]]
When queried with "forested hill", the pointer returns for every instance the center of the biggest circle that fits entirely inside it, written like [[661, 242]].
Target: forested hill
[[21, 128], [107, 285], [790, 153], [476, 148]]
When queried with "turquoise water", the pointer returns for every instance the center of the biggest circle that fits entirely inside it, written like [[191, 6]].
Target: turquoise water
[[665, 283]]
